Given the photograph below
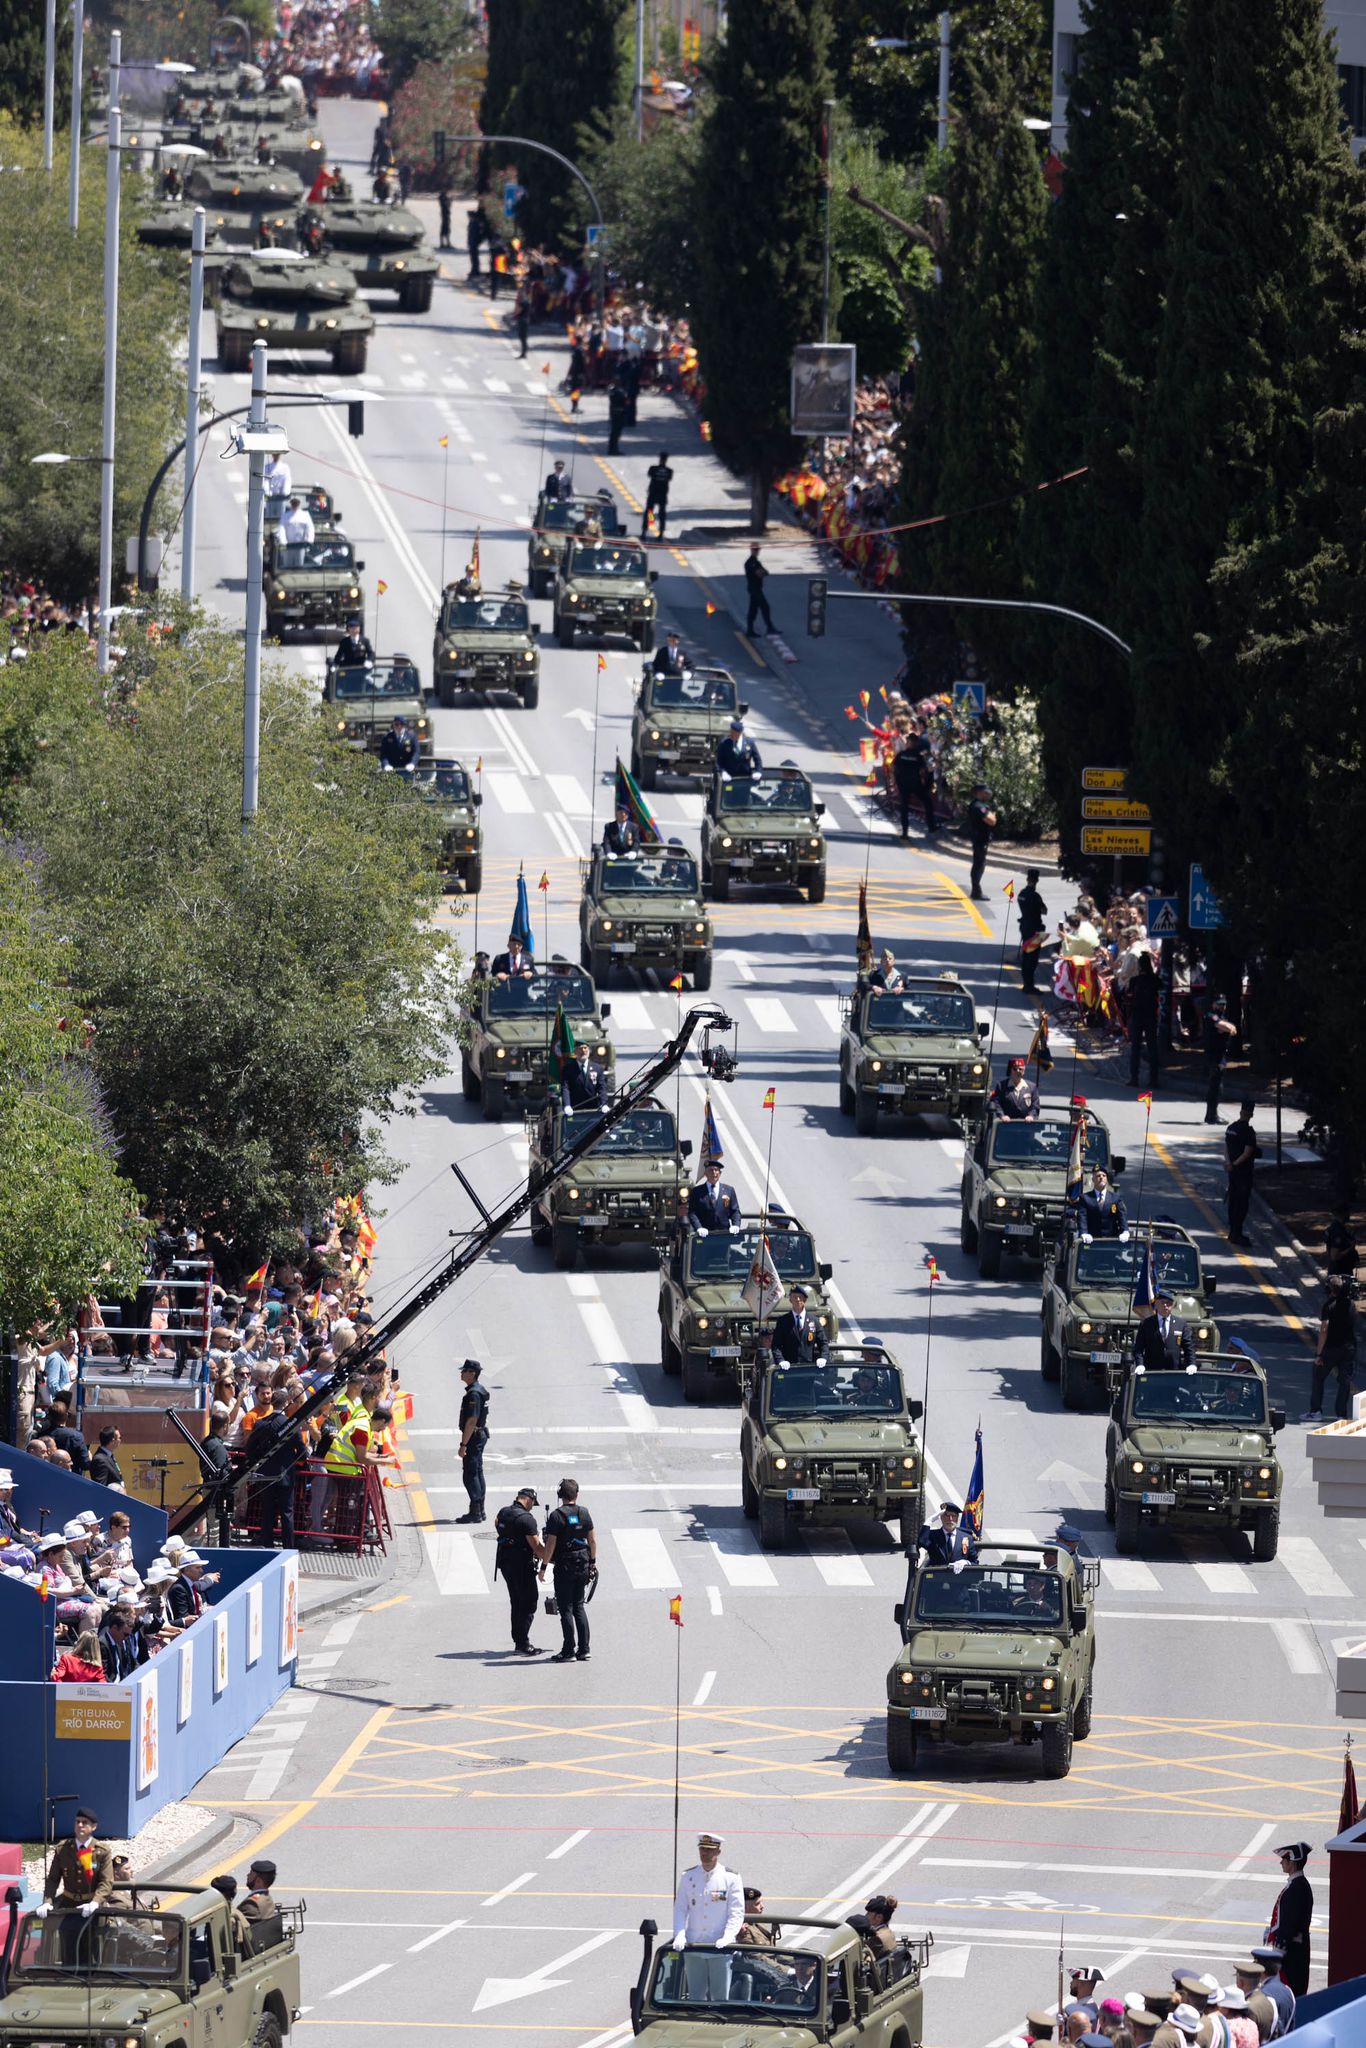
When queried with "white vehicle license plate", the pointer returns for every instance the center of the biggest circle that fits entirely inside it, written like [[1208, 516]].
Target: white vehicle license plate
[[742, 860], [929, 1713], [1105, 1358], [623, 945], [1159, 1500], [514, 1074], [1019, 1230], [724, 1351], [890, 1088], [803, 1493]]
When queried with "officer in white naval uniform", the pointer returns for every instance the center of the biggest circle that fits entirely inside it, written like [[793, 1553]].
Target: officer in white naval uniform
[[709, 1911]]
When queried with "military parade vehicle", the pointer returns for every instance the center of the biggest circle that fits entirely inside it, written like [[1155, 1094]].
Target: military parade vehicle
[[485, 641], [156, 1974], [1195, 1450], [708, 1332], [820, 1984], [385, 247], [829, 1443], [239, 195], [605, 587], [364, 698], [913, 1052], [1088, 1310], [552, 523], [318, 503], [506, 1057], [642, 910], [764, 829], [170, 225], [998, 1651], [443, 783], [625, 1191], [1015, 1185], [295, 302], [678, 722], [311, 586]]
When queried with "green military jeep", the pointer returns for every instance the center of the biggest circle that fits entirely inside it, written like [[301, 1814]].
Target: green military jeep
[[156, 1975], [605, 586], [764, 829], [819, 1985], [485, 641], [832, 1442], [553, 521], [914, 1052], [1001, 1651], [1014, 1191], [679, 721], [311, 586], [1088, 1310], [505, 1058], [364, 699], [708, 1331], [625, 1191], [1195, 1450], [443, 783], [642, 910]]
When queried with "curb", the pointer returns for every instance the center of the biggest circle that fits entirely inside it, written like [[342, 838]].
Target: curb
[[218, 1830], [352, 1590]]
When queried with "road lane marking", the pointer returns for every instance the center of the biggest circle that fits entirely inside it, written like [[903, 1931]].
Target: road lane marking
[[828, 1009], [1245, 1856], [1138, 1870], [645, 1559], [1129, 1575], [841, 1567], [439, 1934], [714, 1600], [509, 792], [740, 1562], [858, 1880], [1225, 1579], [610, 1352], [629, 1014], [572, 1842], [571, 796], [769, 1014], [703, 1693], [454, 1558], [1310, 1569], [353, 1983], [1216, 1225], [496, 1898], [341, 1632], [1296, 1639]]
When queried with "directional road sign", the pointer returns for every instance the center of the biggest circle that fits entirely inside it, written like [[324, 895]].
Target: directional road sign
[[1120, 809], [1206, 916], [1116, 839], [970, 698], [1104, 778], [1164, 916]]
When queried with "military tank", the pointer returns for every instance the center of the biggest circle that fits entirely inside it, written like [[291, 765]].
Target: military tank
[[384, 247], [243, 194], [170, 225], [291, 301]]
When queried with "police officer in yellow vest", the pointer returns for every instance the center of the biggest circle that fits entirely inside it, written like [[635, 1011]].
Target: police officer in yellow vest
[[346, 1461]]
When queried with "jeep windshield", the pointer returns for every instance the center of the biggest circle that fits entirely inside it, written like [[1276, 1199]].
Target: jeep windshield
[[359, 679], [1024, 1144], [676, 876], [768, 1983], [485, 615], [642, 1133], [1226, 1397], [442, 782], [112, 1943], [694, 693], [835, 1390], [315, 554], [562, 515], [934, 1010], [1107, 1263], [537, 995], [789, 792], [729, 1255], [1003, 1596], [607, 561]]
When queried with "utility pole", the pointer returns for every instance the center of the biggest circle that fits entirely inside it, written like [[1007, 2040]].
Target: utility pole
[[111, 352], [256, 496], [829, 174], [640, 70], [190, 499], [943, 132], [49, 80], [77, 87]]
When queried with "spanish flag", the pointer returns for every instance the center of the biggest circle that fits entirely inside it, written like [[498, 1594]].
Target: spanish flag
[[1010, 890], [771, 1099], [444, 442], [677, 984], [381, 586], [676, 1610], [257, 1279], [367, 1237]]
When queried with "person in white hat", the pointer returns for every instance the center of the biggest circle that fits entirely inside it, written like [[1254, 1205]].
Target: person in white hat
[[709, 1911], [1231, 2007], [11, 1530], [186, 1597], [160, 1577], [1185, 2019]]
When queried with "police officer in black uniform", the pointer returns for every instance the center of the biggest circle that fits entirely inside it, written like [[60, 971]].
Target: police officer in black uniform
[[713, 1204], [797, 1337], [1033, 914], [474, 1434], [1340, 1246], [1162, 1342], [1219, 1035], [737, 754], [571, 1551], [620, 834], [1102, 1212], [1015, 1095], [583, 1084], [658, 478], [670, 660], [519, 1552], [398, 748], [980, 820]]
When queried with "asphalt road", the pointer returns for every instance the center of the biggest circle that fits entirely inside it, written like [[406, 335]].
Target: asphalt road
[[479, 1835]]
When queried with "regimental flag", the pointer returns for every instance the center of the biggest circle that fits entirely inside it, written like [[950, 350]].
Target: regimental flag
[[1145, 1278], [1038, 1053], [771, 1099], [561, 1048], [864, 941], [1010, 890], [763, 1289], [711, 1138], [1076, 1159], [629, 799], [474, 557], [676, 1609], [1350, 1810], [521, 916], [257, 1280], [975, 1499]]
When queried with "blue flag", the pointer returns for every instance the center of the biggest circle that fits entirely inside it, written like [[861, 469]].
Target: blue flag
[[1145, 1279], [711, 1140], [521, 917], [975, 1499]]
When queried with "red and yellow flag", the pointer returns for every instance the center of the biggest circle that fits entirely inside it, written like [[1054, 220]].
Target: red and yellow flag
[[676, 1609], [381, 586], [863, 698], [367, 1237], [1147, 1101], [711, 609], [677, 984], [444, 442], [771, 1099], [932, 1268], [545, 369], [850, 712], [602, 664], [258, 1278], [1010, 890], [544, 882]]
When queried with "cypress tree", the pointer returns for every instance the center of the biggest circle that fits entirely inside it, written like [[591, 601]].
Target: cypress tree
[[501, 76], [569, 77], [759, 227]]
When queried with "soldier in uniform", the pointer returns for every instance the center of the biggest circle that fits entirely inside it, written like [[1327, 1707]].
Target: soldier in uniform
[[886, 975], [713, 1204], [80, 1878], [709, 1911], [737, 755], [1269, 1959], [259, 1909], [559, 484], [1015, 1095], [516, 964], [797, 1337], [354, 651], [620, 834], [670, 659], [1261, 2009], [1162, 1341], [1102, 1212], [1291, 1915], [583, 1084], [980, 821], [474, 1434], [398, 748], [658, 478]]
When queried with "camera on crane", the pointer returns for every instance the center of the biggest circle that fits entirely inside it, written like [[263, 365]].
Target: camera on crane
[[720, 1062]]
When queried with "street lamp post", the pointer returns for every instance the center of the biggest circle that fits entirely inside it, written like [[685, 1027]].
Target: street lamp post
[[190, 501], [254, 442], [77, 89], [49, 80], [525, 142], [942, 132], [111, 351]]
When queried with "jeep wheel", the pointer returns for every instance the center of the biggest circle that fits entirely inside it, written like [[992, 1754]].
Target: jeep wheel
[[815, 887], [775, 1521], [865, 1113], [565, 1244], [233, 352], [701, 973], [540, 1230], [846, 1098], [445, 693], [901, 1742], [967, 1230], [1127, 1516], [749, 1496], [267, 2032], [1050, 1365], [275, 628], [1110, 1499], [599, 965], [495, 1100], [348, 357], [990, 1246], [648, 776], [469, 1080], [647, 639], [585, 956], [530, 692], [1074, 1386], [720, 884], [474, 876], [909, 1525], [564, 631], [1081, 1713], [1057, 1747], [697, 1379], [1266, 1533], [670, 1357]]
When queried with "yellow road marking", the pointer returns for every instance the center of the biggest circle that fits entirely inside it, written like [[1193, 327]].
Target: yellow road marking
[[398, 1600], [1272, 1294], [352, 1753], [259, 1842]]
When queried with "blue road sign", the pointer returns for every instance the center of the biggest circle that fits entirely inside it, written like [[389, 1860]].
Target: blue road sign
[[971, 698], [1206, 916], [513, 195], [592, 235], [1164, 916]]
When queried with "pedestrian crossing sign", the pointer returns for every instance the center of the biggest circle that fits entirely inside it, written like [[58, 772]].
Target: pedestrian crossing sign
[[970, 699], [1164, 916]]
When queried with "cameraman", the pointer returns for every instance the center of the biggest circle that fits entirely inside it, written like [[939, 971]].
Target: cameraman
[[1337, 1348], [571, 1552]]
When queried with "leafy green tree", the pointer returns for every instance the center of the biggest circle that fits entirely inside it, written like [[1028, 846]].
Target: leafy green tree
[[895, 91], [567, 91], [878, 267], [70, 1215], [439, 96], [649, 195], [413, 32], [289, 983], [22, 41], [170, 28], [52, 367], [760, 228]]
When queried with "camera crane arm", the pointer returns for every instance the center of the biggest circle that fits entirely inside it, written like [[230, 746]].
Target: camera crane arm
[[708, 1018]]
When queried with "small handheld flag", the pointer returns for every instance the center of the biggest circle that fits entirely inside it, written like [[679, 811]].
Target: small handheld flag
[[771, 1099], [381, 587], [521, 917], [850, 712], [932, 1268], [1147, 1101], [479, 765], [882, 692], [561, 1048], [629, 799], [863, 698], [444, 442], [677, 984], [975, 1499], [545, 369], [544, 882], [676, 1609], [1010, 890], [602, 664], [258, 1278], [711, 610]]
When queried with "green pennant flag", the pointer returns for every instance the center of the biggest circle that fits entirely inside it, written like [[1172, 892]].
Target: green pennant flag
[[561, 1047]]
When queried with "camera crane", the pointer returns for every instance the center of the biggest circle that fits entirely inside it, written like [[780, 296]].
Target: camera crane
[[719, 1062]]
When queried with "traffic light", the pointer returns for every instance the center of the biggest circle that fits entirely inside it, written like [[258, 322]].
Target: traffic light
[[355, 417], [815, 607], [1157, 868]]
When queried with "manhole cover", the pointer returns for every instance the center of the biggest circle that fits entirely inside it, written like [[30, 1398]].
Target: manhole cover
[[490, 1763]]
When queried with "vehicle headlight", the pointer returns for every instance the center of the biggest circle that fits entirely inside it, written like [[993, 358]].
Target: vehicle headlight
[[599, 1052], [1202, 1333], [1049, 1683], [278, 592], [469, 831], [399, 264], [1263, 1471], [655, 732], [1000, 1201], [822, 1320], [422, 725], [262, 320], [1136, 1466], [906, 1677], [726, 840], [529, 655], [573, 1194], [814, 842], [330, 321], [977, 1066], [341, 725], [501, 1053], [703, 1323], [699, 926], [571, 597], [353, 590], [607, 924], [908, 1464], [876, 1066], [780, 1464], [1084, 1329]]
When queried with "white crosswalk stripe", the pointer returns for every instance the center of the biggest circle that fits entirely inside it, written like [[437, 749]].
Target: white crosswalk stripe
[[631, 1015], [739, 1557], [828, 1010], [570, 795], [1129, 1575], [454, 383], [1226, 1579], [1310, 1569], [645, 1558], [508, 791], [495, 384], [837, 1563], [455, 1561], [769, 1014]]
